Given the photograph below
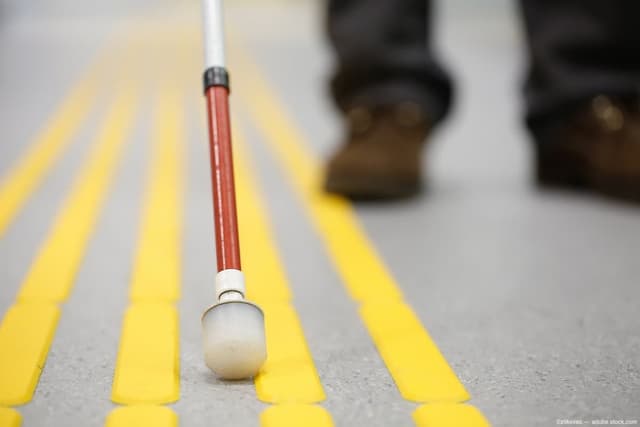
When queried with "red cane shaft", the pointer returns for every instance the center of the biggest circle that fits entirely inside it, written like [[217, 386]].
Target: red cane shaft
[[224, 199]]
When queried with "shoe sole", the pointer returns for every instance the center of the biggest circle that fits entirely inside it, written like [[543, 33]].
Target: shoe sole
[[567, 169], [561, 168], [358, 188], [619, 187]]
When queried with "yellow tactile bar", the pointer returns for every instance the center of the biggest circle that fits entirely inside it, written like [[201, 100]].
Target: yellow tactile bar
[[449, 415], [419, 369], [51, 276], [26, 333], [156, 274], [23, 178], [147, 368], [361, 269], [10, 418], [289, 374], [295, 416], [142, 416], [266, 279]]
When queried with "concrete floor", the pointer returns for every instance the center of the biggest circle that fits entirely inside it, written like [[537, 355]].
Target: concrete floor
[[531, 296]]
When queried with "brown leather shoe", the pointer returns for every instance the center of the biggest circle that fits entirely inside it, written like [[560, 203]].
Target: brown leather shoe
[[599, 149], [381, 158]]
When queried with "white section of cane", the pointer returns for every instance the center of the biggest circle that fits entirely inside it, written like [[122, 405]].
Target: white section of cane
[[234, 339], [230, 285], [212, 12]]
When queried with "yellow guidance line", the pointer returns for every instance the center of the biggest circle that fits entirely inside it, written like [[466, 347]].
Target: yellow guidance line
[[156, 274], [420, 372], [289, 374], [142, 416], [266, 279], [147, 366], [449, 415], [26, 175], [29, 325], [147, 369], [52, 274], [25, 335], [10, 418], [419, 369], [291, 415]]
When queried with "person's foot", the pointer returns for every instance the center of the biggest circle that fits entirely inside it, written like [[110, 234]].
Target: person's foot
[[599, 149], [381, 157]]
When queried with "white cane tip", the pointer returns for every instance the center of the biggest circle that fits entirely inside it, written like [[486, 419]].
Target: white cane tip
[[234, 339]]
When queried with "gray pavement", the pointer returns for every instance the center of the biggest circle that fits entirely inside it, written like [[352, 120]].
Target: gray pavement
[[532, 296]]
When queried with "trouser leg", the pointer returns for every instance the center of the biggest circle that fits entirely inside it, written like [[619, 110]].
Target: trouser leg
[[578, 49], [384, 55]]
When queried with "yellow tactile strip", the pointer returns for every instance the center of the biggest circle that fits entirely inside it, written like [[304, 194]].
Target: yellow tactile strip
[[265, 275], [25, 336], [147, 365], [449, 415], [142, 416], [147, 369], [156, 274], [52, 274], [23, 178], [52, 140], [289, 375], [292, 415], [419, 370], [10, 417]]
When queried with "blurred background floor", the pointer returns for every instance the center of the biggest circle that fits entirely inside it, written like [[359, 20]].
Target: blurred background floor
[[531, 296]]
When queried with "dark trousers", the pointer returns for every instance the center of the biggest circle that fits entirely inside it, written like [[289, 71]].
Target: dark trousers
[[577, 49]]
